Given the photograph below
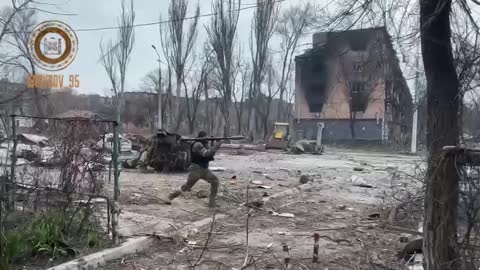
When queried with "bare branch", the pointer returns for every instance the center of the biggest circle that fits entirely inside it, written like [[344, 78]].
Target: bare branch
[[222, 33]]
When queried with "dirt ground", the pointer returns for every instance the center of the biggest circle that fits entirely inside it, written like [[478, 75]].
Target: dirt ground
[[347, 217]]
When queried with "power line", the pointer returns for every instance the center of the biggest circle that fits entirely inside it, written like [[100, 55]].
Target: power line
[[148, 24]]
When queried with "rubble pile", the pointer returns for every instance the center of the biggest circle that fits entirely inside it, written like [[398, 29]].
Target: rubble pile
[[43, 151], [306, 146]]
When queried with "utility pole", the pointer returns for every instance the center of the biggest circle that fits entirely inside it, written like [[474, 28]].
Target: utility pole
[[413, 149], [160, 123]]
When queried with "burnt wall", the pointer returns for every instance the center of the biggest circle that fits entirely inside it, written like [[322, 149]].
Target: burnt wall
[[312, 74]]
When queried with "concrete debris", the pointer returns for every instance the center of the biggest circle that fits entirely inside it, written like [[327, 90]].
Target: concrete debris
[[374, 216], [287, 215], [420, 227], [264, 187], [305, 179], [341, 207], [257, 171], [410, 249], [417, 263], [358, 181], [254, 204], [32, 139], [217, 169], [243, 147], [267, 176], [256, 182], [138, 141], [358, 169], [305, 146], [107, 143], [201, 194], [92, 201]]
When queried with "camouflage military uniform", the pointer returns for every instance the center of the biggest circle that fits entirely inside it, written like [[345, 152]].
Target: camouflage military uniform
[[201, 156]]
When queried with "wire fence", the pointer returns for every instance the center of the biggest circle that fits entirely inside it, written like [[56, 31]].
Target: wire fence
[[59, 165]]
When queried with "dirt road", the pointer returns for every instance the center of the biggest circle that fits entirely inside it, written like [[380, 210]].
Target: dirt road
[[346, 216]]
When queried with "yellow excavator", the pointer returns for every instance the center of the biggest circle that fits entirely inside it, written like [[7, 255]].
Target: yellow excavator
[[280, 137]]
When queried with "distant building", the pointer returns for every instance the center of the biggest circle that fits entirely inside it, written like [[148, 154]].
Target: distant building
[[351, 83], [79, 114]]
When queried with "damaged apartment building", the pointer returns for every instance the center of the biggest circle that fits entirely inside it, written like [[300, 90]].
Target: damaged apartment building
[[350, 88]]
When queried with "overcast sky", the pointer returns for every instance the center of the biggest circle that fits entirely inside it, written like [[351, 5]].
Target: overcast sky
[[104, 13], [101, 13]]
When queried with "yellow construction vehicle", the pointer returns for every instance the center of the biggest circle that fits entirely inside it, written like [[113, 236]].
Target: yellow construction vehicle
[[280, 137]]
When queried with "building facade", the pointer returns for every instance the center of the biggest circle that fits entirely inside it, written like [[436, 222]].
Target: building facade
[[350, 87]]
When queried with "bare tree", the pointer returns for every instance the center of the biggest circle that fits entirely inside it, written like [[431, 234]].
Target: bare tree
[[198, 87], [18, 60], [222, 37], [126, 39], [291, 27], [263, 28], [441, 198], [267, 97], [178, 43], [151, 83], [466, 52], [244, 69], [115, 56], [107, 59], [9, 14], [440, 245], [209, 109]]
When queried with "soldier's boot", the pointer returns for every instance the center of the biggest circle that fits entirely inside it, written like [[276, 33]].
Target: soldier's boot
[[213, 195], [175, 194]]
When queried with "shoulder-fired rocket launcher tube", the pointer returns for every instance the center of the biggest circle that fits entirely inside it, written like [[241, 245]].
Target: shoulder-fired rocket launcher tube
[[232, 138]]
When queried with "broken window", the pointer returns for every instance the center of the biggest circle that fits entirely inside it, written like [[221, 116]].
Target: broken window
[[313, 72], [358, 40], [359, 97], [358, 87], [358, 67]]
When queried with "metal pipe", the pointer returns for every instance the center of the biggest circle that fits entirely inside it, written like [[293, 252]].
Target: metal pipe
[[316, 238], [286, 255], [10, 185]]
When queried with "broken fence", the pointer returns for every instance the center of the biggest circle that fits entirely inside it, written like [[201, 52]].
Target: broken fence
[[64, 165]]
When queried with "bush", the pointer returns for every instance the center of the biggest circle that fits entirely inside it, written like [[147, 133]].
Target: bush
[[46, 236], [12, 244], [94, 240]]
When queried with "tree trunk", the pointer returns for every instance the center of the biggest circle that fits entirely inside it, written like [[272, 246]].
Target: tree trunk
[[191, 126], [265, 123], [441, 198], [280, 113], [118, 111], [177, 102], [226, 131], [226, 115], [239, 124]]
